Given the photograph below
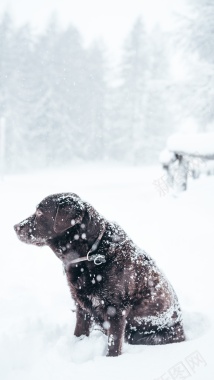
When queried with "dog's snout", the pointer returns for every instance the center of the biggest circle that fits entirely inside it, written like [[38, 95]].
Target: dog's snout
[[17, 227]]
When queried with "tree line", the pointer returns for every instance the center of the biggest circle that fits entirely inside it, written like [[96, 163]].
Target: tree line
[[61, 103]]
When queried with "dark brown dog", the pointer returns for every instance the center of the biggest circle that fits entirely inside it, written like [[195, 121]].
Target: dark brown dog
[[113, 282]]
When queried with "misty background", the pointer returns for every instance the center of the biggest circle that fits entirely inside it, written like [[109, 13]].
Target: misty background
[[63, 101]]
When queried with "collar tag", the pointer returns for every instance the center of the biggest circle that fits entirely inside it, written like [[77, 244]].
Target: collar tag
[[98, 259]]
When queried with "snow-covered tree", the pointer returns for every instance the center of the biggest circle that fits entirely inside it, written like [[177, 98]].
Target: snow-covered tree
[[157, 113], [132, 94], [21, 101], [200, 28], [49, 116], [59, 104], [95, 101], [141, 109], [6, 61], [197, 34]]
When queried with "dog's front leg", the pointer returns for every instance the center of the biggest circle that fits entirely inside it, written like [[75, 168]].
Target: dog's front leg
[[116, 328], [83, 322]]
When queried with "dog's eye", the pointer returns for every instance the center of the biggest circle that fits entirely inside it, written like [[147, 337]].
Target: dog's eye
[[39, 212]]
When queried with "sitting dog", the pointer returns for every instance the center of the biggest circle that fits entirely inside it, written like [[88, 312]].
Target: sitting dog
[[113, 282]]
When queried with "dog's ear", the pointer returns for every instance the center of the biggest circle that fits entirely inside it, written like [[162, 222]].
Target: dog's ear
[[70, 211]]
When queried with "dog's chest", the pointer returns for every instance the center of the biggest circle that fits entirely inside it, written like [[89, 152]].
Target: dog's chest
[[88, 285]]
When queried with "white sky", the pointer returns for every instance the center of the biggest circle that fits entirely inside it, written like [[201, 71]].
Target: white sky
[[109, 19]]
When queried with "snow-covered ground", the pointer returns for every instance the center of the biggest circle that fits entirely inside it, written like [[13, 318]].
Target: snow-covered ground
[[37, 322]]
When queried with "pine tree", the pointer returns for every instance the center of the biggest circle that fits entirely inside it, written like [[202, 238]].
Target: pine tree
[[158, 114], [200, 28], [95, 94], [6, 62], [132, 93], [71, 73], [196, 95], [47, 122], [20, 103]]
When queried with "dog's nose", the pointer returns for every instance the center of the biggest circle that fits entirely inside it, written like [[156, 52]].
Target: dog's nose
[[17, 227]]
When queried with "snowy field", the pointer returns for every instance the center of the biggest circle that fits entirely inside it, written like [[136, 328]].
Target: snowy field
[[37, 322]]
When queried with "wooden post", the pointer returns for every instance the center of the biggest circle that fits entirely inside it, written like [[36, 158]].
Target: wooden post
[[177, 172], [183, 173]]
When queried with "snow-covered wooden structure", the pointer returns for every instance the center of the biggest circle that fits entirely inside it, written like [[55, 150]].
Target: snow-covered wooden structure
[[187, 155]]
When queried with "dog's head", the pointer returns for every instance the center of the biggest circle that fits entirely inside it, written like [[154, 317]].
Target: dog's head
[[54, 215]]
